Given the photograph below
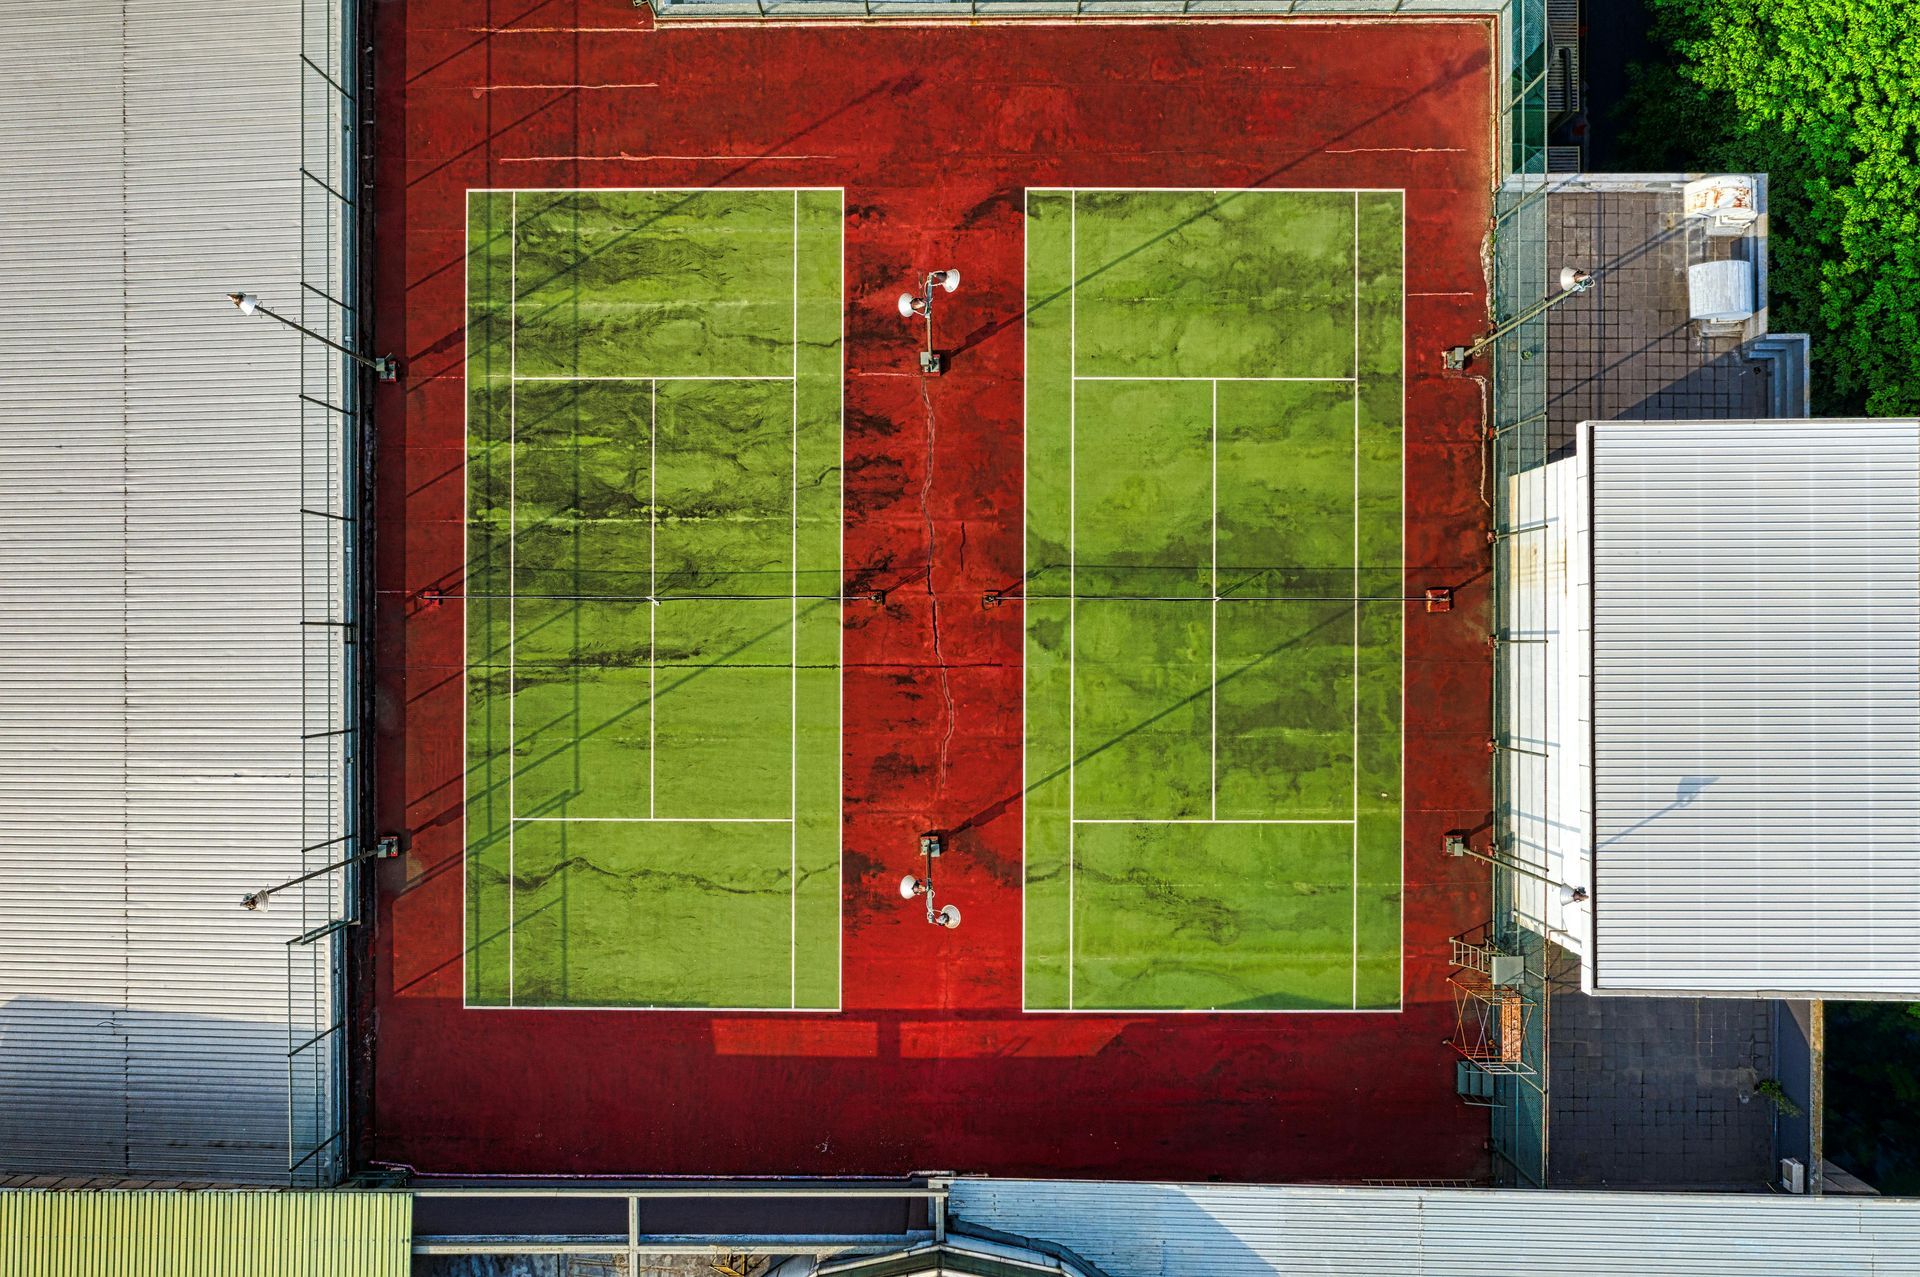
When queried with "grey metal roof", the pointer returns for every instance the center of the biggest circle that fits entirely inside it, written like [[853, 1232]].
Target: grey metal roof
[[1179, 1230], [1755, 607]]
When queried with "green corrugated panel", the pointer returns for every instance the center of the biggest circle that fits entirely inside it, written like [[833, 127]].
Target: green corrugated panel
[[204, 1234]]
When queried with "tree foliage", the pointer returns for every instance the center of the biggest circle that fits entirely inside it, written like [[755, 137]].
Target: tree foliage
[[1824, 97], [1873, 1092]]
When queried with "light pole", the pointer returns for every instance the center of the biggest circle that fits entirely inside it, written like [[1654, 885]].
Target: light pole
[[1572, 283], [931, 361], [385, 849], [1456, 844], [384, 366], [931, 845]]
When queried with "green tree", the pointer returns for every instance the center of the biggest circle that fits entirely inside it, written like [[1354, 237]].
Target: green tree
[[1824, 97], [1873, 1092]]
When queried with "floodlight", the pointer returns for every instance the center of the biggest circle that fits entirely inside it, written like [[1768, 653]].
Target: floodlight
[[932, 844], [932, 362], [258, 900], [247, 302], [1574, 280]]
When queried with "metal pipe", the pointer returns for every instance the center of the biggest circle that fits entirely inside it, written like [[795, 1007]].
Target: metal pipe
[[384, 366], [1573, 283], [1459, 847], [381, 850]]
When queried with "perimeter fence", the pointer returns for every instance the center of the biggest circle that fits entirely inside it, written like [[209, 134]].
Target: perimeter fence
[[334, 453], [1532, 79]]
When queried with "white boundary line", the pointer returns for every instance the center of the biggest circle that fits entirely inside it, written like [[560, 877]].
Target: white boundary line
[[840, 638], [653, 593], [1206, 820], [648, 190], [466, 531], [1354, 960], [653, 820], [1211, 190], [513, 571], [1026, 615], [1400, 816], [1073, 379], [793, 642], [1213, 607], [466, 567], [1087, 376], [1073, 549]]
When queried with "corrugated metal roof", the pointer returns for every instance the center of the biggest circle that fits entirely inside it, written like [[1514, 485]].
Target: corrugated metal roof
[[1179, 1230], [1756, 706], [205, 1234], [150, 585]]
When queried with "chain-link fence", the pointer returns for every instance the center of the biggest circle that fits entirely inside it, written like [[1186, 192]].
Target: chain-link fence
[[1517, 443]]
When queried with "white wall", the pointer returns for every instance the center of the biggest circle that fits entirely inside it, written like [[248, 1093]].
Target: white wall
[[1545, 694]]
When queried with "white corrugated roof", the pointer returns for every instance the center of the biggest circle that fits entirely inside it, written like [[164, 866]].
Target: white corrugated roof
[[1179, 1230], [1755, 651], [150, 585]]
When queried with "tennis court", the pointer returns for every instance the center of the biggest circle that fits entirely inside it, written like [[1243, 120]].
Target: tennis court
[[652, 598], [1213, 600]]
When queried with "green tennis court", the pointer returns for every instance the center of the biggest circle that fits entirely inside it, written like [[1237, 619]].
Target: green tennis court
[[1213, 600], [653, 626]]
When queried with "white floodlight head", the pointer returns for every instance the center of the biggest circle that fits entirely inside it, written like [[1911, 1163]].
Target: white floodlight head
[[909, 887], [948, 917], [1574, 280], [1571, 895], [258, 900], [247, 302], [910, 305], [947, 279]]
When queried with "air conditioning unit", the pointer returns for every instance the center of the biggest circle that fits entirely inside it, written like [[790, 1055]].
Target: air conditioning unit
[[1728, 205], [1720, 293], [1793, 1175]]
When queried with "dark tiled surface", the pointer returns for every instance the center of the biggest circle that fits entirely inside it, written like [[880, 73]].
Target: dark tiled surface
[[1648, 1092], [1626, 349]]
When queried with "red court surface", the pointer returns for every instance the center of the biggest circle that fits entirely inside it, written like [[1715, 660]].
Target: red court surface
[[934, 130]]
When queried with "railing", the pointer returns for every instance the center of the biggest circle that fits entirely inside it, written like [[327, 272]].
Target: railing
[[611, 1223], [333, 417]]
